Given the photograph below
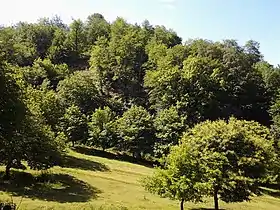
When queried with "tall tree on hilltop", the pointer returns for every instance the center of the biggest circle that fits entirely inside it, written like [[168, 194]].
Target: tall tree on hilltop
[[96, 26]]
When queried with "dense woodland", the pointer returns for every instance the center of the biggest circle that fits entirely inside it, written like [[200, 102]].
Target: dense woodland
[[140, 90]]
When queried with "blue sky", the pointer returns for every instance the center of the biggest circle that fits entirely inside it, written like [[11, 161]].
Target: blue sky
[[209, 19]]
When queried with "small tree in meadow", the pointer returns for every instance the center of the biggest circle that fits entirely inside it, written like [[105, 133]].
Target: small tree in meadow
[[224, 160]]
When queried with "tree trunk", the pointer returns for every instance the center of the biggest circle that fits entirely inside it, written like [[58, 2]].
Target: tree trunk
[[182, 204], [216, 199], [7, 171], [73, 143]]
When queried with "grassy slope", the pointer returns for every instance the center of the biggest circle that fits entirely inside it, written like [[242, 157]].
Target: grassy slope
[[91, 182]]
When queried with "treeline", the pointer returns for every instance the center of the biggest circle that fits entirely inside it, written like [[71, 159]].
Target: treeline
[[133, 88]]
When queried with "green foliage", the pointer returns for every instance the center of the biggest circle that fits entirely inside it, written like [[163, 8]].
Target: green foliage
[[74, 125], [136, 131], [167, 37], [76, 37], [45, 69], [275, 128], [58, 52], [169, 126], [16, 49], [252, 50], [207, 81], [24, 133], [271, 77], [96, 26], [275, 131], [46, 104], [118, 62], [230, 159], [101, 128], [136, 89], [80, 90], [12, 111], [76, 44], [41, 149]]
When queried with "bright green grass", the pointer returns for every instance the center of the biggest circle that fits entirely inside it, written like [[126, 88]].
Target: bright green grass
[[91, 182]]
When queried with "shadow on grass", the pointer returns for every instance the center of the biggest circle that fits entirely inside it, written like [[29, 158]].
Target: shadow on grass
[[49, 187], [109, 155], [78, 163], [271, 189]]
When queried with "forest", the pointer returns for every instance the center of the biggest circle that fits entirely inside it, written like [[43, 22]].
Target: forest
[[205, 113]]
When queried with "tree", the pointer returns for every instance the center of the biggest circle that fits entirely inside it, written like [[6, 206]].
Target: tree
[[38, 34], [58, 51], [24, 135], [162, 81], [275, 129], [57, 22], [77, 36], [42, 70], [243, 90], [252, 49], [207, 80], [190, 86], [204, 48], [220, 159], [43, 33], [169, 126], [12, 113], [96, 26], [101, 128], [275, 115], [34, 143], [74, 125], [54, 72], [167, 37], [136, 132], [271, 78], [76, 44], [46, 104], [80, 90], [118, 62], [16, 49], [41, 148]]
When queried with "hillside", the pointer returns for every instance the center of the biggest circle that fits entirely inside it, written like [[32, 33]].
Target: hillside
[[94, 182]]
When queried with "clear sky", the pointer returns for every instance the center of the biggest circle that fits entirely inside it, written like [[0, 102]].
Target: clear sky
[[209, 19]]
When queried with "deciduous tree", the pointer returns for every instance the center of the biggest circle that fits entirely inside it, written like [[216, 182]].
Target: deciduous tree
[[136, 132], [226, 160], [101, 128], [74, 125]]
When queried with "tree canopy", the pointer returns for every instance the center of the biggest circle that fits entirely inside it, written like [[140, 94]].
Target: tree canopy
[[226, 159], [211, 107]]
